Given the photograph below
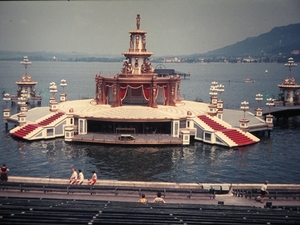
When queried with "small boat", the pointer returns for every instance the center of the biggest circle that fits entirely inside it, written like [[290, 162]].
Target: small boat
[[248, 80], [266, 71]]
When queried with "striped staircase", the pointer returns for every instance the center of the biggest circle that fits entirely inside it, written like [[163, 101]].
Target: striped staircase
[[28, 128], [50, 119], [238, 137], [21, 133], [233, 134]]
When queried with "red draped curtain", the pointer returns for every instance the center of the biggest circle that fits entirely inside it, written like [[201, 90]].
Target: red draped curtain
[[146, 91], [135, 86], [124, 88], [123, 91]]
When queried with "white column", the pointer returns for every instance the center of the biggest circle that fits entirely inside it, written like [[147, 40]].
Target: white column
[[6, 113], [22, 119], [82, 126], [69, 133], [175, 128]]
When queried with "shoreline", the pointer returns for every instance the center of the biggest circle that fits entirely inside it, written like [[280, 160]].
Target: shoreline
[[148, 184], [111, 190]]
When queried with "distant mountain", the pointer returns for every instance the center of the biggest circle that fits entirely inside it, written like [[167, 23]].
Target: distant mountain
[[283, 40]]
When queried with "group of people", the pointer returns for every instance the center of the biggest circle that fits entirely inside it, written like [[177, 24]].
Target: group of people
[[157, 199], [78, 178], [263, 192]]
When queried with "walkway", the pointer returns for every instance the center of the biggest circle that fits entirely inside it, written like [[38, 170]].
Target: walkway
[[228, 199], [280, 111], [33, 206], [139, 139]]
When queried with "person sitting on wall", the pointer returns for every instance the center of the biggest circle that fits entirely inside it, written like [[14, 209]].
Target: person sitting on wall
[[73, 177], [80, 179], [93, 180]]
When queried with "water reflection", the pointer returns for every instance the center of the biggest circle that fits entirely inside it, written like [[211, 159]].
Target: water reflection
[[129, 163], [197, 162]]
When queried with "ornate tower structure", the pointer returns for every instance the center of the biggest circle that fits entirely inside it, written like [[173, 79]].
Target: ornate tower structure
[[289, 89], [137, 58], [26, 86], [137, 84]]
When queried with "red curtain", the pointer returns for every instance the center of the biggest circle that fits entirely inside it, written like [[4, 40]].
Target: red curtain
[[166, 94], [135, 86], [123, 91], [146, 91]]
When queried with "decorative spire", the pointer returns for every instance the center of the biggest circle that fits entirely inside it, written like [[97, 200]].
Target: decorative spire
[[138, 21], [290, 63], [25, 62]]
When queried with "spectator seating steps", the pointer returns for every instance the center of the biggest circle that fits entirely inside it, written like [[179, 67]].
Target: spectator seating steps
[[273, 193], [16, 210], [108, 190]]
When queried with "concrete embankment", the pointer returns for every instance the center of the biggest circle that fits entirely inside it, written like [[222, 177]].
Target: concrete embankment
[[143, 184], [227, 198]]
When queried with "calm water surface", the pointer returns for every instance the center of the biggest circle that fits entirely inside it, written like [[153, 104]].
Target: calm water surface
[[275, 158]]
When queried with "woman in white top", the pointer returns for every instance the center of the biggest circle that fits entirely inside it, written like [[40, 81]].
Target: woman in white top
[[73, 177], [80, 177]]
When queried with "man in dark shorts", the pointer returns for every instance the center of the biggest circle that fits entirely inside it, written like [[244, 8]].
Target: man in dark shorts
[[263, 192]]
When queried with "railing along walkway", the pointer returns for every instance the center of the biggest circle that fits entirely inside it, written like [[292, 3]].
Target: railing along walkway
[[292, 194], [139, 139], [108, 190]]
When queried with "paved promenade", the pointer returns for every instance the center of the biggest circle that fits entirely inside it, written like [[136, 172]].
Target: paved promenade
[[227, 199]]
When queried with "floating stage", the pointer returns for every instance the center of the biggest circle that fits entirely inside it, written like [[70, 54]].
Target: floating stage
[[85, 121], [137, 106]]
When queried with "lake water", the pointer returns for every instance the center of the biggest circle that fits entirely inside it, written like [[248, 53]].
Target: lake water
[[275, 158]]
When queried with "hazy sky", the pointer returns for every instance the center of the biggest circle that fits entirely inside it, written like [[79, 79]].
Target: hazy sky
[[174, 27]]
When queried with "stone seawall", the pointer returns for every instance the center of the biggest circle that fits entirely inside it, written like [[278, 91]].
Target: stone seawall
[[142, 184]]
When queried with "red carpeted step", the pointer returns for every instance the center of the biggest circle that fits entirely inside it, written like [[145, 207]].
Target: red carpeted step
[[50, 119], [25, 130], [213, 124], [232, 134], [31, 127], [237, 137]]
